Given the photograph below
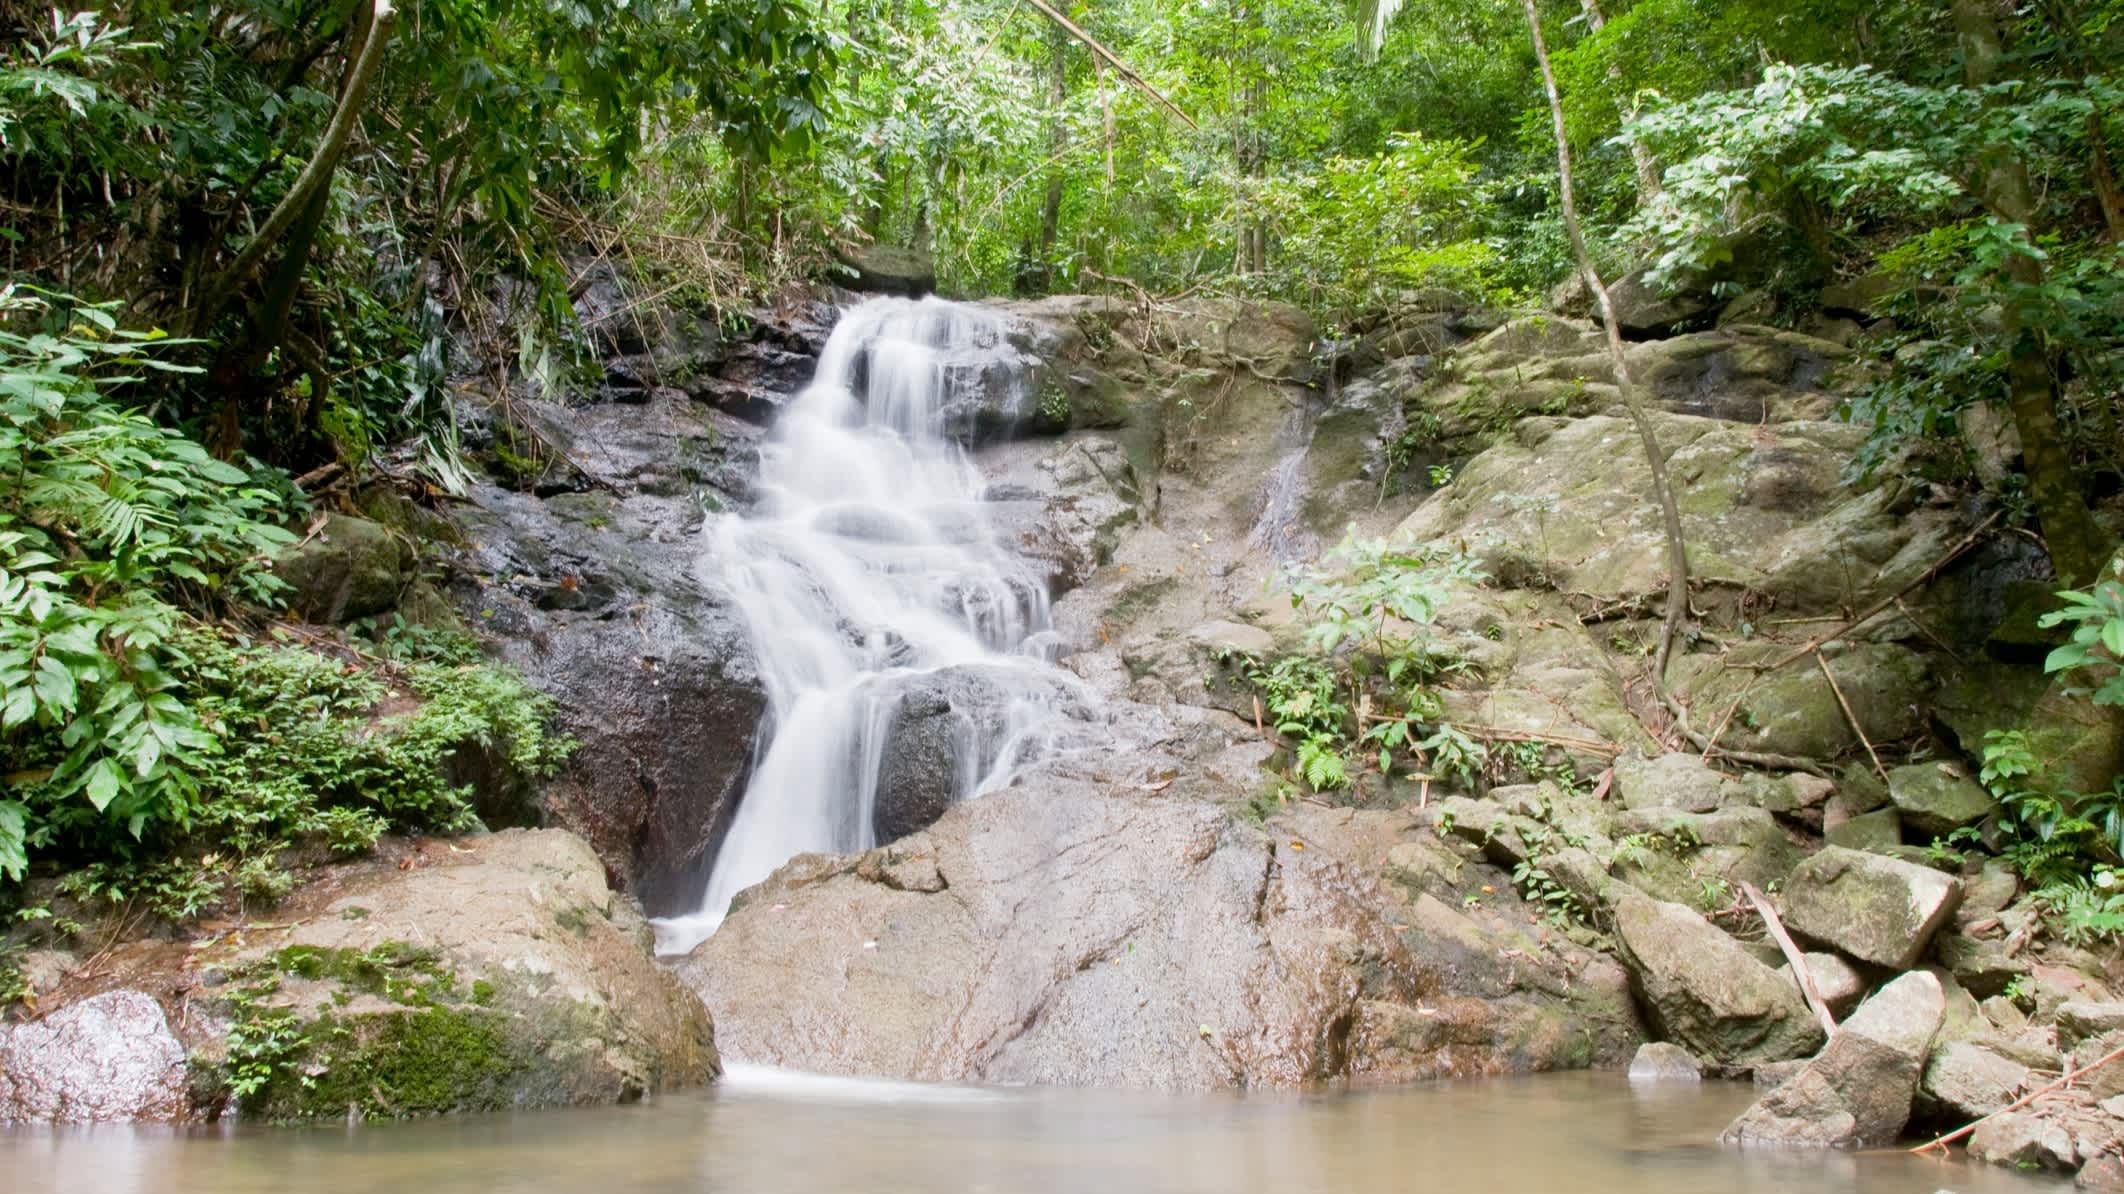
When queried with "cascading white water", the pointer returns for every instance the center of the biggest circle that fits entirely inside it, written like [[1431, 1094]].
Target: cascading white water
[[867, 569]]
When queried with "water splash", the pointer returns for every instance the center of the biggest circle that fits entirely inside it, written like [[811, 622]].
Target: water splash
[[868, 572]]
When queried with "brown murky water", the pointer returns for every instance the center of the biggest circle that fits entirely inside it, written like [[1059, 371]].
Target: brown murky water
[[764, 1133]]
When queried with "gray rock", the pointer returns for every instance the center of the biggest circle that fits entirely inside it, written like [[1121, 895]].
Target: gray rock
[[1879, 830], [1703, 990], [1858, 1092], [1872, 908], [2105, 1172], [106, 1059], [1938, 798], [1774, 1074], [1839, 983], [1657, 1061], [1670, 781], [2024, 1139], [1641, 310], [1979, 964], [1965, 1081], [2083, 1019], [945, 730], [1085, 933], [1235, 637], [892, 269], [350, 568]]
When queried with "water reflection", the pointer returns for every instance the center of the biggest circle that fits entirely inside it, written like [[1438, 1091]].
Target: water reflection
[[770, 1134]]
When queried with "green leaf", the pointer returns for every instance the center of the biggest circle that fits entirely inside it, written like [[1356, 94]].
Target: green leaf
[[103, 784]]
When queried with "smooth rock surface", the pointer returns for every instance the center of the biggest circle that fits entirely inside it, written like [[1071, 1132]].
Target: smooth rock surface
[[1857, 1093], [1964, 1081], [109, 1058], [1876, 909], [1071, 933], [348, 568]]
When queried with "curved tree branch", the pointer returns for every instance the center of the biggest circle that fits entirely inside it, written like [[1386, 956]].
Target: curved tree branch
[[316, 174]]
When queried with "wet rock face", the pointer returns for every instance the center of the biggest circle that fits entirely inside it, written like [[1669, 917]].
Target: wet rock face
[[1857, 1093], [106, 1059], [596, 598], [1081, 933], [948, 729]]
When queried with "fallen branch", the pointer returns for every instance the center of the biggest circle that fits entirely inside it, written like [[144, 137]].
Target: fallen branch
[[1792, 954], [1849, 716], [2023, 1101]]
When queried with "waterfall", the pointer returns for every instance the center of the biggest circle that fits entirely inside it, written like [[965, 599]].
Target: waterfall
[[874, 588]]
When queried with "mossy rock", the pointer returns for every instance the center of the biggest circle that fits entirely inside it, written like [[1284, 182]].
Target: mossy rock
[[534, 987]]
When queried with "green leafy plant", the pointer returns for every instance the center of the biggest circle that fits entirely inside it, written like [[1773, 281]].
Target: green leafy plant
[[110, 526], [2096, 617]]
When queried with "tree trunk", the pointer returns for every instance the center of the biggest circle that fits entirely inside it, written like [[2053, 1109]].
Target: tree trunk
[[2053, 484], [1057, 140], [1655, 456], [1648, 184]]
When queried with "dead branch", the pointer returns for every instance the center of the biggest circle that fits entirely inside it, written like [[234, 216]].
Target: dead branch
[[1792, 954]]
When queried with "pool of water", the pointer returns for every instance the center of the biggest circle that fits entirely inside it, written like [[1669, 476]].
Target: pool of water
[[764, 1132]]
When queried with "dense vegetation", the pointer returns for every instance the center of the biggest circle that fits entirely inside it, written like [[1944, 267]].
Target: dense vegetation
[[315, 213]]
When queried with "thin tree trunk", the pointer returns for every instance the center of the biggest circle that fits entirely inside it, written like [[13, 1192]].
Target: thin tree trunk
[[1648, 183], [1662, 489], [1058, 140], [2053, 483]]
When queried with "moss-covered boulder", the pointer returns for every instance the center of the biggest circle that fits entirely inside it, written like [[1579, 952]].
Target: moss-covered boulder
[[345, 569], [1938, 798], [501, 974], [1874, 908]]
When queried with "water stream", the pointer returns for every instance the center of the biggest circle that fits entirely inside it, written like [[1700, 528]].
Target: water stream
[[768, 1133], [868, 575]]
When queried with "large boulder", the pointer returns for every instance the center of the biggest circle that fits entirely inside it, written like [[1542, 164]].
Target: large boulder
[[1702, 989], [891, 269], [495, 973], [1858, 1092], [946, 731], [1090, 933], [108, 1058], [1876, 909], [1567, 503], [346, 568]]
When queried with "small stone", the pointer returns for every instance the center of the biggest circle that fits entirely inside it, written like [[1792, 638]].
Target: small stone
[[1875, 909], [1837, 981], [2079, 1019], [2106, 1081], [2022, 1138], [1234, 637], [1938, 798], [2105, 1172], [1658, 1061]]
